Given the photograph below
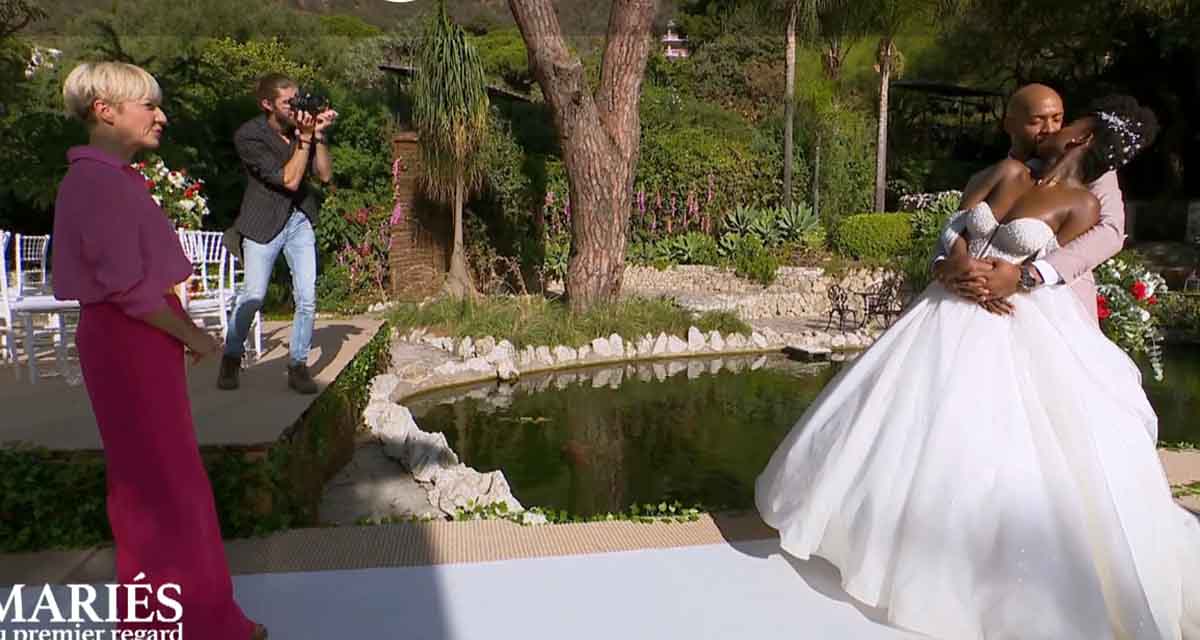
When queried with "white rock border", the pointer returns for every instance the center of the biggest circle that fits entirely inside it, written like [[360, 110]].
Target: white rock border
[[444, 362]]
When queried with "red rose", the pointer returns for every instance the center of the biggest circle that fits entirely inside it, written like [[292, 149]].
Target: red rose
[[1138, 290], [1103, 312], [150, 184], [1152, 301]]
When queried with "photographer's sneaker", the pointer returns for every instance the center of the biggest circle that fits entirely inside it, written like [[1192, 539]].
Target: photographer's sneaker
[[231, 369], [300, 379]]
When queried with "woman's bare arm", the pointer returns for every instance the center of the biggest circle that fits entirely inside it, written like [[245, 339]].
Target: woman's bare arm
[[1083, 216]]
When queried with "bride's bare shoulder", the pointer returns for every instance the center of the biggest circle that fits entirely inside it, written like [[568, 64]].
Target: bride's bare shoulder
[[986, 180], [1008, 169]]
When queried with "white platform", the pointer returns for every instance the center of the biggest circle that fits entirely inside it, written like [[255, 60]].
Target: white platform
[[709, 592]]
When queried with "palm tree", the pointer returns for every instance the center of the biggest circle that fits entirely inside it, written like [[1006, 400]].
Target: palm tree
[[804, 21], [450, 113], [802, 14], [889, 18]]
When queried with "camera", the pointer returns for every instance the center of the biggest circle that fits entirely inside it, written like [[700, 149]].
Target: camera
[[308, 102]]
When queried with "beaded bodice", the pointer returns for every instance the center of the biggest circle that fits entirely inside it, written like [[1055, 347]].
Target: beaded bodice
[[1014, 241]]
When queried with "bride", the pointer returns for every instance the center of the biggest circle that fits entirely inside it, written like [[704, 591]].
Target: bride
[[995, 476]]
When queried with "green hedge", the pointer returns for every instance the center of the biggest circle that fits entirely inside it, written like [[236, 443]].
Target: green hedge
[[1178, 312], [56, 500], [873, 236]]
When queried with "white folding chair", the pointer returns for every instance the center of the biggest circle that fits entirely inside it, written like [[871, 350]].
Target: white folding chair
[[236, 286], [206, 288], [7, 335], [28, 297], [29, 257]]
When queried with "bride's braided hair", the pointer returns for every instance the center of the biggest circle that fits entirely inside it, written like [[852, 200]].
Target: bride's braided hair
[[1123, 129]]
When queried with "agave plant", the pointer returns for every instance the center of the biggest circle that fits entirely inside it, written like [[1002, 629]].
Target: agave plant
[[739, 220], [764, 227], [795, 221], [728, 245], [700, 248]]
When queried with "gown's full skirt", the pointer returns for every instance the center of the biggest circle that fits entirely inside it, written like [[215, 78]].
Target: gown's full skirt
[[991, 477]]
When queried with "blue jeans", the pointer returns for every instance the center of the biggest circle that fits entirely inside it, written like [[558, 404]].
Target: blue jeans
[[298, 243]]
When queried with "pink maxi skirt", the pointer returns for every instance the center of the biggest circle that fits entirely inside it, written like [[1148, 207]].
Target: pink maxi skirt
[[160, 501]]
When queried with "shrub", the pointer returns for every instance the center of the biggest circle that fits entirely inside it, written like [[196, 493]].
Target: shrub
[[1179, 312], [930, 212], [752, 260], [873, 236]]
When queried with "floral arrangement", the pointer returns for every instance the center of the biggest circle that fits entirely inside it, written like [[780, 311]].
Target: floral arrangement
[[1126, 292], [176, 192]]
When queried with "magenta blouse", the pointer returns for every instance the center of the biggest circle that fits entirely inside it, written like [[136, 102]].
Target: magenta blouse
[[111, 242]]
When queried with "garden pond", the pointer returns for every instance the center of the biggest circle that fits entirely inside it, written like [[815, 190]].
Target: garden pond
[[594, 441]]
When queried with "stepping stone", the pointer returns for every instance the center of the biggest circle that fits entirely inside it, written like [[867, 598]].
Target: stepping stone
[[806, 353]]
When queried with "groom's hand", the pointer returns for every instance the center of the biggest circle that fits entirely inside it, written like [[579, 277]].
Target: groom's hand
[[999, 306], [1000, 277]]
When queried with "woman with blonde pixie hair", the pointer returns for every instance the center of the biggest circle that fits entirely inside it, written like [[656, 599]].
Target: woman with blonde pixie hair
[[116, 252]]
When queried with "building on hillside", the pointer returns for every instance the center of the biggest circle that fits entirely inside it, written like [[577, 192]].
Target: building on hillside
[[676, 45]]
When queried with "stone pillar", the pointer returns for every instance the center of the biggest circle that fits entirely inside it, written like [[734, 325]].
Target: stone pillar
[[419, 255]]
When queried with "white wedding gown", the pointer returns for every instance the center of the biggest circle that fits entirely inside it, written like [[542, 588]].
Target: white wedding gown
[[992, 477]]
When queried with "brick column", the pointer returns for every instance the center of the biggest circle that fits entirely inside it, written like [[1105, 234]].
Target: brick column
[[419, 256]]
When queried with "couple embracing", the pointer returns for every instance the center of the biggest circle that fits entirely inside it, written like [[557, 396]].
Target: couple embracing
[[988, 468]]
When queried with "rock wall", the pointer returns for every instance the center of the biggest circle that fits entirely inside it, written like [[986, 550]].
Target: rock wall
[[796, 292]]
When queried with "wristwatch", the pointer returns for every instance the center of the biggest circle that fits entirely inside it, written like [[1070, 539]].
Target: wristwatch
[[1027, 281]]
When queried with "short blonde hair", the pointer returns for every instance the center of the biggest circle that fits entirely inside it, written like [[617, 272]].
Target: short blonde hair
[[113, 82]]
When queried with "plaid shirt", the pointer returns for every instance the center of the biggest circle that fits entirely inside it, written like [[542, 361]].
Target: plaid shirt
[[267, 204]]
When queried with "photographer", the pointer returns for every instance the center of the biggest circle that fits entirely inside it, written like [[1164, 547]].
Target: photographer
[[279, 149]]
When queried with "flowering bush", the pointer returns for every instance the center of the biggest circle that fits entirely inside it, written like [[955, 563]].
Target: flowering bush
[[1126, 292], [176, 192], [941, 201]]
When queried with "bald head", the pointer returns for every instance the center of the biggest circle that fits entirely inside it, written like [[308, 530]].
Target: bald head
[[1034, 112]]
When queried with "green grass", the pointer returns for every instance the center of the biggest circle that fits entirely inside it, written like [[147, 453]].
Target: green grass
[[1183, 490], [535, 321]]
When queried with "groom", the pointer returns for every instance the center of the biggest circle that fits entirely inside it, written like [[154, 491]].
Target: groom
[[1035, 112]]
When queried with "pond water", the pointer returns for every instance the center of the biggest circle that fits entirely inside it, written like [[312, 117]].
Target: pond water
[[696, 431], [1177, 398]]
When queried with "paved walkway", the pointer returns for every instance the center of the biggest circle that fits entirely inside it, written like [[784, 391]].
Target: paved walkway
[[56, 415], [714, 578]]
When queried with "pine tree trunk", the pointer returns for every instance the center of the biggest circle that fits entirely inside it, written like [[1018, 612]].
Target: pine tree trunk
[[458, 281], [885, 75], [789, 106], [598, 133]]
